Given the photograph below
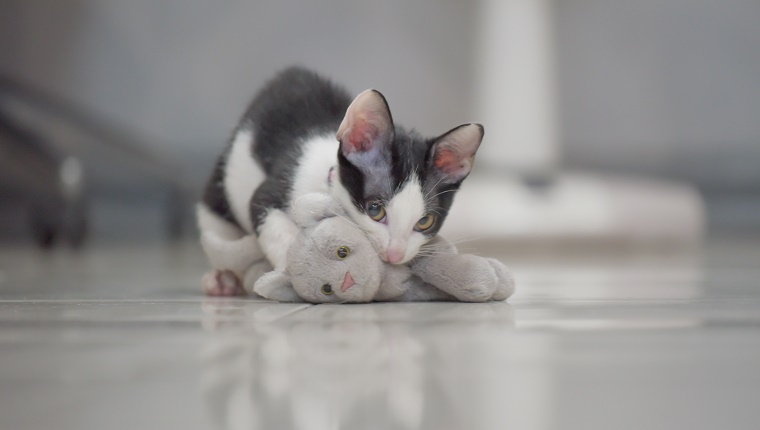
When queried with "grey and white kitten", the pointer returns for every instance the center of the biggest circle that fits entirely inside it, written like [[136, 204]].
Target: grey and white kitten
[[302, 134]]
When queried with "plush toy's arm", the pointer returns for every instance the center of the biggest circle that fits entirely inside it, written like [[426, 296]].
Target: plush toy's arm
[[400, 285], [314, 207], [467, 277], [417, 290], [439, 245]]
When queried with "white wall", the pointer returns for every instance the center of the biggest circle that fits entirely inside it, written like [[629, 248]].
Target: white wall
[[669, 87], [182, 71]]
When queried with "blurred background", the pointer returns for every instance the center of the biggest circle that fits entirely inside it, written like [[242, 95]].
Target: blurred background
[[619, 179], [605, 120]]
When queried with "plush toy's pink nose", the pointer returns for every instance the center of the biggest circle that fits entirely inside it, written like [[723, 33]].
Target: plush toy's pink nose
[[348, 282]]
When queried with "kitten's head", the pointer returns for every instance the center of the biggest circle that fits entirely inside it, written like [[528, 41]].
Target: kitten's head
[[396, 185]]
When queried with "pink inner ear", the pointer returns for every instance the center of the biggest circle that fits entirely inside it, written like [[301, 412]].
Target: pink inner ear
[[360, 136], [455, 151], [367, 123], [451, 163], [446, 160]]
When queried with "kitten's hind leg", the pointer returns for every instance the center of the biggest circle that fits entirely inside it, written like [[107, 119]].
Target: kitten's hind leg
[[229, 250], [219, 283], [235, 256]]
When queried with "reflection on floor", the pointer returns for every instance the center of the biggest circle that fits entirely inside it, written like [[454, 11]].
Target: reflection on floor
[[120, 338]]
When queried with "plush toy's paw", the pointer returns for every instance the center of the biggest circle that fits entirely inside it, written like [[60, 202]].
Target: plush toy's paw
[[276, 286], [478, 286], [256, 271], [222, 283], [506, 283]]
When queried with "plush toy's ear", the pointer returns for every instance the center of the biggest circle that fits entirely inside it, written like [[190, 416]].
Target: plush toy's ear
[[276, 286], [311, 208], [453, 153], [256, 271]]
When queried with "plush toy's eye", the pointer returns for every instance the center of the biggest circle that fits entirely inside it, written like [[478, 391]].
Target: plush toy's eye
[[327, 289], [425, 222], [376, 211], [343, 252]]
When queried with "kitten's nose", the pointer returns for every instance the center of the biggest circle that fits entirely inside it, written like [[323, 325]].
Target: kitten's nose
[[395, 256], [348, 282]]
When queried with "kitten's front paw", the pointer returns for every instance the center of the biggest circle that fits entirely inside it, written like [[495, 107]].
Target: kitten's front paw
[[219, 283]]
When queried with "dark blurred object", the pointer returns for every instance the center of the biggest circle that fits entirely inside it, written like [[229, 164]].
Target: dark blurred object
[[47, 145], [33, 174]]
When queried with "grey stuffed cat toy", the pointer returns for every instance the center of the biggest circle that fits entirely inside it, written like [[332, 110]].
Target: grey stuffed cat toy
[[332, 261]]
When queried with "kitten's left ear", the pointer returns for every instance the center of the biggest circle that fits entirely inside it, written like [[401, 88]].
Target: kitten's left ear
[[453, 153], [367, 126]]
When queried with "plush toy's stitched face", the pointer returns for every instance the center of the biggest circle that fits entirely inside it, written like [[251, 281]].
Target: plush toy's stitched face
[[334, 262]]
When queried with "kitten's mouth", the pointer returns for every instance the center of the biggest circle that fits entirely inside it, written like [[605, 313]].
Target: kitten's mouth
[[348, 282], [331, 176]]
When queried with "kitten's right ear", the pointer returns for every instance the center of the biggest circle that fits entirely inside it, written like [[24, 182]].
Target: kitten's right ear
[[453, 153], [368, 124]]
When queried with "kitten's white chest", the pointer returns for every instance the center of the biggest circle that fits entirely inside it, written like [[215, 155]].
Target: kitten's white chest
[[319, 155]]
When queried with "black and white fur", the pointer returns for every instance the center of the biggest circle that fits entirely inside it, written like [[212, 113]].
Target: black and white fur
[[298, 128]]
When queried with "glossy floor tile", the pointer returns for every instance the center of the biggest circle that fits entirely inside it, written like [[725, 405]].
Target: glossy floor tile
[[120, 338]]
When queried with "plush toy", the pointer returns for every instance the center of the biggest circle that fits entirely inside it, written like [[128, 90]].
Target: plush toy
[[332, 261], [327, 265]]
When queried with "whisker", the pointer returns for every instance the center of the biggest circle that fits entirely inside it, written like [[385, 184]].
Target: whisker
[[433, 254], [441, 193], [434, 186], [338, 214]]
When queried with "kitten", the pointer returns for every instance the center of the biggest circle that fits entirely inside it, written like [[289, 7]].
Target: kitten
[[302, 134]]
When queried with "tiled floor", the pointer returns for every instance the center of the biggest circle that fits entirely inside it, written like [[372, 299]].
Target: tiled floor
[[119, 338]]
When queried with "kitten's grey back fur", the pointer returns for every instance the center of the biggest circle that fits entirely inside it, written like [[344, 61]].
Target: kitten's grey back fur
[[394, 184], [295, 104]]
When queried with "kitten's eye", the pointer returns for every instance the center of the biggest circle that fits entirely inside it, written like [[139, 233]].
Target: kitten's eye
[[327, 289], [376, 211], [343, 252], [425, 222]]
